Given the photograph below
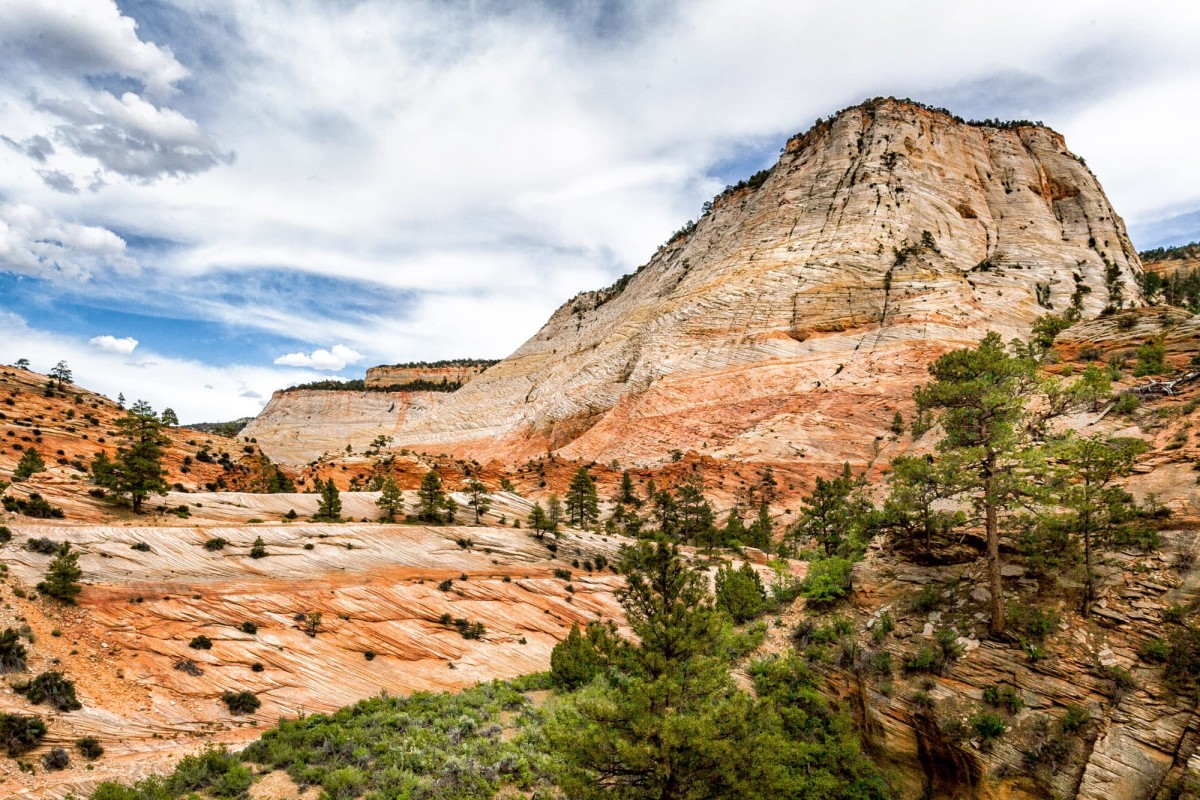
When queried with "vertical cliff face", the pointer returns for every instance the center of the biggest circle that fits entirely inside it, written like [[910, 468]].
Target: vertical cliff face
[[796, 315]]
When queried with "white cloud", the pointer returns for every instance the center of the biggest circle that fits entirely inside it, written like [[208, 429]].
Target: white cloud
[[34, 242], [333, 359], [111, 344]]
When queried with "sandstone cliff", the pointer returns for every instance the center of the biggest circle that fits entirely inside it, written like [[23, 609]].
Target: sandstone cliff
[[794, 319], [459, 371]]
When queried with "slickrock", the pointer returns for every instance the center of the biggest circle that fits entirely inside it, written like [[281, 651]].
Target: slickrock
[[794, 319], [379, 589]]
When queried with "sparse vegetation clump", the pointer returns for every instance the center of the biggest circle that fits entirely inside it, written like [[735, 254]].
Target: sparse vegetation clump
[[52, 688]]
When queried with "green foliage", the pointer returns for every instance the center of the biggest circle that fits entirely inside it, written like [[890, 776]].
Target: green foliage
[[1034, 622], [827, 582], [31, 462], [478, 498], [89, 747], [329, 507], [200, 642], [216, 543], [1150, 360], [1003, 696], [32, 506], [740, 592], [1076, 718], [431, 499], [52, 688], [837, 515], [259, 548], [62, 576], [137, 470], [20, 733], [583, 503], [910, 514], [577, 660], [988, 726], [1047, 327], [1182, 671], [241, 702], [391, 499], [12, 652]]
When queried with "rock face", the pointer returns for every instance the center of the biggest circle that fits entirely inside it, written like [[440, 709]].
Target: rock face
[[793, 320], [461, 371], [298, 426]]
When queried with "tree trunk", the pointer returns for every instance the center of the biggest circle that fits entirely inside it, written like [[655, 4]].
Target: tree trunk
[[994, 578], [1089, 581]]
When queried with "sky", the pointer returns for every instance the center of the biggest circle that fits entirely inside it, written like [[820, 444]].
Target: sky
[[202, 201]]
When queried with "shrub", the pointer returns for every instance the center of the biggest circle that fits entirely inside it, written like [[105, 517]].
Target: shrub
[[56, 759], [89, 747], [1156, 650], [12, 652], [468, 629], [740, 592], [20, 733], [248, 627], [33, 506], [988, 726], [562, 574], [259, 548], [241, 702], [827, 582], [1034, 622], [369, 655], [445, 585], [214, 544], [186, 665], [257, 666], [5, 535], [200, 642], [52, 688], [141, 547], [1076, 718], [43, 546], [1005, 697], [928, 599]]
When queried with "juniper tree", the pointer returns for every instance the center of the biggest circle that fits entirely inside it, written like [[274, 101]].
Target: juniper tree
[[61, 373]]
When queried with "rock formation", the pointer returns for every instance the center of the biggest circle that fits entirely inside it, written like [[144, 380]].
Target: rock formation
[[791, 321]]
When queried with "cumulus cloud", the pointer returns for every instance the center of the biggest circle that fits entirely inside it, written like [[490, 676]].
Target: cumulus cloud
[[111, 344], [35, 243], [135, 138], [91, 37], [333, 359]]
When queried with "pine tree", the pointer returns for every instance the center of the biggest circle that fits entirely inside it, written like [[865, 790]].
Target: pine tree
[[740, 592], [979, 395], [554, 511], [391, 499], [583, 504], [696, 519], [61, 373], [834, 514], [538, 520], [1095, 510], [137, 470], [259, 548], [478, 498], [628, 496], [21, 363], [169, 418], [910, 513], [430, 498], [898, 423], [329, 507], [735, 530], [762, 530], [62, 576], [31, 462]]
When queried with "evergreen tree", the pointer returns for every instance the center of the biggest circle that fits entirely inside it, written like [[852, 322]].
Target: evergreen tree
[[538, 520], [391, 499], [898, 423], [554, 511], [631, 524], [259, 548], [102, 469], [169, 417], [431, 500], [1094, 387], [450, 506], [740, 592], [762, 530], [478, 498], [979, 395], [21, 363], [1095, 510], [30, 463], [909, 513], [628, 495], [666, 514], [578, 659], [62, 374], [329, 507], [62, 576], [767, 485], [583, 504], [696, 519], [835, 514], [735, 529], [138, 470], [120, 399]]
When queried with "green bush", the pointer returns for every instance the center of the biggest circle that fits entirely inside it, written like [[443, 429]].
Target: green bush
[[52, 688], [241, 702], [827, 582], [1076, 718], [12, 652], [988, 726], [216, 543], [200, 642], [1006, 697], [740, 592], [20, 733], [89, 747]]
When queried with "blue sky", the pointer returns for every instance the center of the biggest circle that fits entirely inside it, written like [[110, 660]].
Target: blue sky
[[202, 201]]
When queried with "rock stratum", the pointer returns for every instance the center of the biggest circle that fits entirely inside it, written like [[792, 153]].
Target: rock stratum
[[792, 320]]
